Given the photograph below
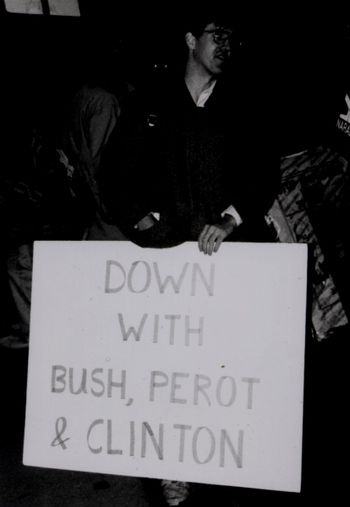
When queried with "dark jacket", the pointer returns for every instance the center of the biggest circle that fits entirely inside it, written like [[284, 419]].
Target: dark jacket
[[189, 164]]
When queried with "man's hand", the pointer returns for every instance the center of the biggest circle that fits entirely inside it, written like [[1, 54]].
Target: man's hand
[[212, 236], [146, 223]]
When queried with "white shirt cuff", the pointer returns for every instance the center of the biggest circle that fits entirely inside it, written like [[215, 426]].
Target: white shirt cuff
[[155, 215], [234, 213]]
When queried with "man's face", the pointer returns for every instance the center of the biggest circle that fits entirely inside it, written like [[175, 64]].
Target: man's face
[[213, 48]]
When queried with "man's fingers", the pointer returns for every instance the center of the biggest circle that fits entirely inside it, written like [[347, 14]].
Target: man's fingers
[[212, 236], [210, 239], [218, 242], [203, 239], [207, 239]]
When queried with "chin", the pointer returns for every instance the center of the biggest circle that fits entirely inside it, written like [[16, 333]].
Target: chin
[[217, 71], [219, 66]]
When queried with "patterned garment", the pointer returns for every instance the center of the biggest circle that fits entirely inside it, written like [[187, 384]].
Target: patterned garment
[[310, 209]]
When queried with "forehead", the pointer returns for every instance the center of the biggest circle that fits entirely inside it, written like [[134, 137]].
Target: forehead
[[218, 26]]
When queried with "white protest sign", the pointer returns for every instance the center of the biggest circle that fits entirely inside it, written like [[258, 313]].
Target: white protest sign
[[168, 363]]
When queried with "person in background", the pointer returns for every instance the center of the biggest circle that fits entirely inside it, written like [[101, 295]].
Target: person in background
[[38, 203], [91, 117], [51, 191]]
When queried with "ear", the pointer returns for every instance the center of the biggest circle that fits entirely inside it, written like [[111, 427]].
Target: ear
[[190, 40]]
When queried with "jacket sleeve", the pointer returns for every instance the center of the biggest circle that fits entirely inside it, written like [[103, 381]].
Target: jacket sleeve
[[128, 169]]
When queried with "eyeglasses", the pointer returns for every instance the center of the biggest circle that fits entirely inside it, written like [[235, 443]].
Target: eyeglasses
[[220, 35]]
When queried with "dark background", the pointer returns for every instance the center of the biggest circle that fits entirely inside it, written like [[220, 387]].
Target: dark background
[[298, 57]]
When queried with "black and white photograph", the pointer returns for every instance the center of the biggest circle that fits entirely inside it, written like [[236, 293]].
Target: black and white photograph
[[174, 195]]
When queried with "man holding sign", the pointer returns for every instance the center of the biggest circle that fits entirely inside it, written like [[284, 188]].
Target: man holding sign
[[182, 176], [194, 179], [182, 161]]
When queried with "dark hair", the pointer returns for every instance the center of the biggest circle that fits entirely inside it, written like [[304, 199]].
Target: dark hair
[[196, 22]]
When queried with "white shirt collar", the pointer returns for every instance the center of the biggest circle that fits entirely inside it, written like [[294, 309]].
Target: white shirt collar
[[204, 96]]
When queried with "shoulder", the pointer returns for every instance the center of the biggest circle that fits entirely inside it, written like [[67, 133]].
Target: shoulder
[[95, 98]]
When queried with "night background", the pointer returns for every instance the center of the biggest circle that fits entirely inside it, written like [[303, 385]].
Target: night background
[[299, 56], [297, 60]]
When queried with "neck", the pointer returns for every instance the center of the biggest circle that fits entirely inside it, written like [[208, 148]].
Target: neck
[[197, 80]]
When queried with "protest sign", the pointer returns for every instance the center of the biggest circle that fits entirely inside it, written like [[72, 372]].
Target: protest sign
[[168, 363]]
